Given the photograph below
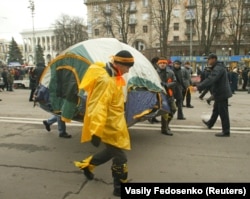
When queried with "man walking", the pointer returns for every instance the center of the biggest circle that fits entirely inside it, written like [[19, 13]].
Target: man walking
[[221, 92], [104, 119]]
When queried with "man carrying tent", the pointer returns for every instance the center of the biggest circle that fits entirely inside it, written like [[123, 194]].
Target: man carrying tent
[[104, 119], [168, 81]]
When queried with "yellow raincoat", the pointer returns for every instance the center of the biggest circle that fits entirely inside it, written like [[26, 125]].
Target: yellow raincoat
[[104, 116]]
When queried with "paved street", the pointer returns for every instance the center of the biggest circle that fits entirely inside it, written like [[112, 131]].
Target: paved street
[[38, 164]]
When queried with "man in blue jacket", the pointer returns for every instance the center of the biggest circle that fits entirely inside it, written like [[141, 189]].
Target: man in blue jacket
[[218, 79]]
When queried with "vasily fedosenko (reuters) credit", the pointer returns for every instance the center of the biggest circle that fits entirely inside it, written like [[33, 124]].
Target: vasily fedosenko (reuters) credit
[[185, 190]]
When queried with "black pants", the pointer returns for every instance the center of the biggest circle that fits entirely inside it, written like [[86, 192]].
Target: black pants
[[110, 152], [203, 93], [179, 108], [244, 84], [32, 91], [220, 108], [187, 95]]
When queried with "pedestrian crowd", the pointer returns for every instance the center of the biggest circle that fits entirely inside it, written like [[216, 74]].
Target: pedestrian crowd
[[104, 119]]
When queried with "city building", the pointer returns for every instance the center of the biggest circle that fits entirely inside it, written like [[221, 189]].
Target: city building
[[44, 37], [4, 48], [184, 37]]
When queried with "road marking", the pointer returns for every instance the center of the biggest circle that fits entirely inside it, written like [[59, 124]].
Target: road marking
[[138, 126]]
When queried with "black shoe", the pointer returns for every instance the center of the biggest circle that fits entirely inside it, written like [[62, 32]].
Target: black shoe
[[183, 105], [222, 134], [190, 106], [117, 192], [206, 123], [181, 118], [88, 173], [47, 126], [153, 120], [64, 135], [208, 102], [167, 132]]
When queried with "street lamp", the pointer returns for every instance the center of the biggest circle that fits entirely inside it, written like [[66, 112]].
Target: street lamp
[[191, 33], [230, 49], [223, 49], [32, 9]]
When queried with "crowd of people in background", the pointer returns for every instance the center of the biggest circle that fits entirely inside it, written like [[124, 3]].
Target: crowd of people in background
[[211, 77]]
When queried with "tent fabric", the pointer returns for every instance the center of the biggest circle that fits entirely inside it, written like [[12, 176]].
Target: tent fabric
[[64, 74]]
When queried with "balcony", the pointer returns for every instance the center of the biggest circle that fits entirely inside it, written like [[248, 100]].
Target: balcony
[[107, 24], [246, 3], [107, 12], [188, 31], [183, 43], [220, 31], [189, 18], [132, 21], [218, 18], [191, 5], [218, 3], [132, 9]]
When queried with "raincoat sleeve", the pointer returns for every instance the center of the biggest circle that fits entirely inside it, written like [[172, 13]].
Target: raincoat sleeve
[[97, 106]]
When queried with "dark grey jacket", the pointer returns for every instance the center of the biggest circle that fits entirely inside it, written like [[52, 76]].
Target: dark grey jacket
[[218, 79]]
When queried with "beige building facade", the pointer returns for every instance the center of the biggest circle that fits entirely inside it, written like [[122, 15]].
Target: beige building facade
[[184, 29]]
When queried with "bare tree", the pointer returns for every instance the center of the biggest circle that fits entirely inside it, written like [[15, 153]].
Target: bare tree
[[117, 19], [209, 25], [69, 31], [161, 13], [236, 16]]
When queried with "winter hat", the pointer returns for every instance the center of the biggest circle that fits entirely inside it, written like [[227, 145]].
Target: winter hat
[[124, 58], [177, 62], [211, 56]]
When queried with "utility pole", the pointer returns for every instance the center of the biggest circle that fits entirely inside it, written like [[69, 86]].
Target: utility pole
[[32, 9], [191, 35]]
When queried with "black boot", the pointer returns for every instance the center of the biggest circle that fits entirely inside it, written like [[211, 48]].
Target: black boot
[[120, 175], [165, 125], [153, 120]]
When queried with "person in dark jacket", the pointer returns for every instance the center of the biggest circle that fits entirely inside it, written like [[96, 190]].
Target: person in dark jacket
[[32, 84], [221, 92], [234, 80], [5, 80], [168, 81], [245, 78], [204, 74], [38, 72], [186, 75], [178, 89]]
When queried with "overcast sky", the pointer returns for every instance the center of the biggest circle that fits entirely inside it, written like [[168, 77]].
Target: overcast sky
[[15, 16]]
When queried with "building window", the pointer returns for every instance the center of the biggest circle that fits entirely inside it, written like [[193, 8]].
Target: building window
[[176, 12], [145, 3], [96, 8], [132, 29], [96, 32], [176, 38], [145, 16], [233, 11], [176, 26], [145, 29], [108, 30]]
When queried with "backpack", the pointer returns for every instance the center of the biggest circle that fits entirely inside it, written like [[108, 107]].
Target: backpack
[[41, 94]]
